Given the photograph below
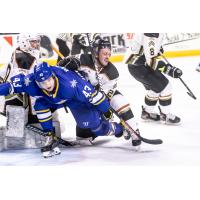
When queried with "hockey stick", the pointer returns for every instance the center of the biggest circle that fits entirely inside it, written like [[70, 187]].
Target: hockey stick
[[62, 57], [41, 132], [124, 123], [7, 73], [3, 114], [189, 92], [57, 51], [3, 80]]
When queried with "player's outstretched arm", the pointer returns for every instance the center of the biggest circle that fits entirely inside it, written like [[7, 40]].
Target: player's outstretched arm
[[5, 89], [15, 85]]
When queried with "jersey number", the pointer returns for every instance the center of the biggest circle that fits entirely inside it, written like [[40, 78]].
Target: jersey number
[[16, 82], [87, 91]]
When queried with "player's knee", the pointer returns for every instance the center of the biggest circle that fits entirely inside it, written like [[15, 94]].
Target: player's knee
[[165, 97], [107, 128], [84, 132]]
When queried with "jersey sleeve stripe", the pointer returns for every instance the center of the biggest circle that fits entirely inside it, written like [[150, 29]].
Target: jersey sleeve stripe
[[45, 120]]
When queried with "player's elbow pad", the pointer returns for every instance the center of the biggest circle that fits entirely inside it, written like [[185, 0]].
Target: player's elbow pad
[[99, 100]]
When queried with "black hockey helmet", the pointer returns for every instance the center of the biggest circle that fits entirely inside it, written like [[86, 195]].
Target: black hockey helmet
[[101, 44]]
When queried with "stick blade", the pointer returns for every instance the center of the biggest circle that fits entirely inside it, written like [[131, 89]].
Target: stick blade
[[191, 95]]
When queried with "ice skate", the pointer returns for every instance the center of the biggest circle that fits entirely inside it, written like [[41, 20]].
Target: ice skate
[[51, 148], [134, 139], [146, 116], [198, 68], [126, 135], [84, 141], [136, 142], [170, 119]]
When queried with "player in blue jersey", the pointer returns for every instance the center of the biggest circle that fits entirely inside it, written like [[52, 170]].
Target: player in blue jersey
[[55, 87]]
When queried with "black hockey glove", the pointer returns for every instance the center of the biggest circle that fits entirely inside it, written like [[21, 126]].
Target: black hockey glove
[[82, 40], [108, 115], [173, 71], [161, 50], [70, 62]]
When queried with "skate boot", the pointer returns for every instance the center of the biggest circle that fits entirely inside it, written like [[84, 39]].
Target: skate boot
[[84, 141], [126, 135], [84, 137], [135, 140], [149, 116], [51, 147], [198, 68], [169, 118]]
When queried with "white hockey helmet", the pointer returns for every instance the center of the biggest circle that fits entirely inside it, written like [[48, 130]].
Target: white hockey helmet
[[24, 39]]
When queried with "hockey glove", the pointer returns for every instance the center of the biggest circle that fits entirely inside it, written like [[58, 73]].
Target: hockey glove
[[173, 71], [82, 40], [70, 62], [108, 115]]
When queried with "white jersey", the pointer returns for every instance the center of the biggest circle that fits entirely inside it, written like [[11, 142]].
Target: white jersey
[[147, 44], [23, 63], [108, 75]]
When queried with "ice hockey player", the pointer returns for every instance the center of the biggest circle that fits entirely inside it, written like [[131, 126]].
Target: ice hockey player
[[79, 44], [76, 42], [146, 67], [55, 87], [23, 59], [108, 75]]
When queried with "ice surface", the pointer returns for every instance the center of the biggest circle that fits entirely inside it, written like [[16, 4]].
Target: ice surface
[[181, 143]]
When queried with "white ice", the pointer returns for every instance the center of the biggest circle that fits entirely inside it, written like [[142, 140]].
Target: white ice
[[181, 144]]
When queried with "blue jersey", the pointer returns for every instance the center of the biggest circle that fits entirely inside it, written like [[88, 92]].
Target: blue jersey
[[71, 90]]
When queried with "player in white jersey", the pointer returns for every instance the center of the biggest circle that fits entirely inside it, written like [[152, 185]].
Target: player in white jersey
[[108, 75], [146, 67], [23, 60]]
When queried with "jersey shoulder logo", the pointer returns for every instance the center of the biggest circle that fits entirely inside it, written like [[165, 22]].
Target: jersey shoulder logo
[[73, 83], [27, 81]]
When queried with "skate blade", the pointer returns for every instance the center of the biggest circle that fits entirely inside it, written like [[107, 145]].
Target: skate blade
[[150, 121], [48, 155], [170, 124], [83, 143], [137, 148], [51, 153]]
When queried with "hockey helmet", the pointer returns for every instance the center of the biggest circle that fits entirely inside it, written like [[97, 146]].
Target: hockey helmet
[[24, 39], [101, 44], [42, 72]]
